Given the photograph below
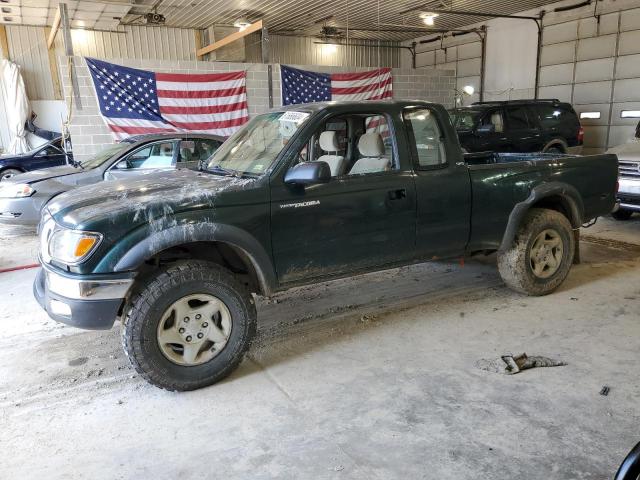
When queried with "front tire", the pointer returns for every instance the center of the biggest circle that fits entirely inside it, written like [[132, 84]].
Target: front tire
[[188, 326], [541, 255], [622, 215]]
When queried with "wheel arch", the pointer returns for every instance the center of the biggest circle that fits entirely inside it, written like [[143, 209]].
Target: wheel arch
[[557, 196], [12, 167], [226, 245], [556, 142]]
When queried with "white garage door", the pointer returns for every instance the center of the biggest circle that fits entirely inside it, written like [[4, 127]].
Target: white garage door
[[594, 63], [462, 53]]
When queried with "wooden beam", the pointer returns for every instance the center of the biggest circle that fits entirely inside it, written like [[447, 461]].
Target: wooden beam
[[54, 29], [53, 67], [4, 43], [198, 38], [254, 27]]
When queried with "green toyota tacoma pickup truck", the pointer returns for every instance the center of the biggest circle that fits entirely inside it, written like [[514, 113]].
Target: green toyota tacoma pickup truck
[[300, 195]]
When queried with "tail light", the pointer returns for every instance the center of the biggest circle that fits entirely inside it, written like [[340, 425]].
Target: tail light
[[581, 135]]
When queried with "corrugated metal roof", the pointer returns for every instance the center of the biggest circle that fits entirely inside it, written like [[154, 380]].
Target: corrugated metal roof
[[377, 19]]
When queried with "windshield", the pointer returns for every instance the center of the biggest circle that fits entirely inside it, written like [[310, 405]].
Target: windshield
[[254, 148], [104, 155], [464, 119]]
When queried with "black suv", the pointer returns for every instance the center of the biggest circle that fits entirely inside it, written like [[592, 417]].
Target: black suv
[[519, 126]]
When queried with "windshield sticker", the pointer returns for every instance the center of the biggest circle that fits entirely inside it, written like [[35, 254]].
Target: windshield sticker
[[295, 117]]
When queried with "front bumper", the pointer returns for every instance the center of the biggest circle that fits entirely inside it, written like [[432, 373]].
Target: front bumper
[[84, 301], [629, 193], [20, 211]]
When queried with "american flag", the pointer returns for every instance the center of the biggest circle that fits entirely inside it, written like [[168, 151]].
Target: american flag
[[303, 86], [134, 102]]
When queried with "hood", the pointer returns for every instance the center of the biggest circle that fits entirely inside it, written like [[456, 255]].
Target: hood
[[46, 174], [628, 151], [144, 200]]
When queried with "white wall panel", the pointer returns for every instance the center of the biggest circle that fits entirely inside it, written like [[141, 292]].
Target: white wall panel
[[627, 90], [28, 48], [556, 74], [469, 67], [598, 47], [621, 134], [630, 20], [595, 92], [560, 33], [595, 136], [558, 53], [594, 70], [561, 92], [628, 66], [629, 43], [470, 50]]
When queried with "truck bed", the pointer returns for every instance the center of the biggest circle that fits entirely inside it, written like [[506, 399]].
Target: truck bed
[[501, 180]]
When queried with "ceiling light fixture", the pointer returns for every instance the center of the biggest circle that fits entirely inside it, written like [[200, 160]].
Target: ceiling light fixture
[[242, 24], [429, 18]]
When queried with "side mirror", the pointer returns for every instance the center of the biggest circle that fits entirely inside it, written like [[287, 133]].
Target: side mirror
[[485, 129], [308, 173], [121, 165]]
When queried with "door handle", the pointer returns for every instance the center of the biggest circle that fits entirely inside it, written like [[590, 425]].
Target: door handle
[[397, 194]]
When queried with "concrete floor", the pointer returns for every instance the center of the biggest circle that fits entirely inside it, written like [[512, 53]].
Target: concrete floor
[[369, 378]]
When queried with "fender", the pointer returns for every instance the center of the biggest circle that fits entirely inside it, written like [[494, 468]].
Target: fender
[[570, 198], [203, 232]]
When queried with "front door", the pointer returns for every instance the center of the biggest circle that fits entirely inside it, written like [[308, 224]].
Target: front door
[[364, 217]]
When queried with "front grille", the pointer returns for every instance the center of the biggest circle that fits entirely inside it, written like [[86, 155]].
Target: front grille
[[629, 169]]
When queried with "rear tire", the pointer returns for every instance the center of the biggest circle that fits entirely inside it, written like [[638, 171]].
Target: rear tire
[[622, 214], [542, 253], [157, 342]]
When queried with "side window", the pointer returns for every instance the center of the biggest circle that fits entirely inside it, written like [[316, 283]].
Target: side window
[[203, 149], [50, 150], [375, 152], [518, 118], [425, 138], [156, 155], [553, 116], [187, 151], [353, 145], [493, 118]]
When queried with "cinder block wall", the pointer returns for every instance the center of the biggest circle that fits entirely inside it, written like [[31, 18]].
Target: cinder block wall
[[89, 134]]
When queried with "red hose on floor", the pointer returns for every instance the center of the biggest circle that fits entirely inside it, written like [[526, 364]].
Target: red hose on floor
[[21, 267]]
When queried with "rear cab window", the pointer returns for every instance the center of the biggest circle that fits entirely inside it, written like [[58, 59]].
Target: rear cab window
[[425, 138]]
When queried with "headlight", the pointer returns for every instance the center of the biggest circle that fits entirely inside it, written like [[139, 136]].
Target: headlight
[[16, 190], [72, 246]]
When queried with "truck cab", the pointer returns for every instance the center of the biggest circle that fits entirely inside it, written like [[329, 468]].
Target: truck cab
[[302, 194]]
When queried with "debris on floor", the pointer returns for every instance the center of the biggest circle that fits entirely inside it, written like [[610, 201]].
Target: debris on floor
[[512, 364], [605, 391]]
